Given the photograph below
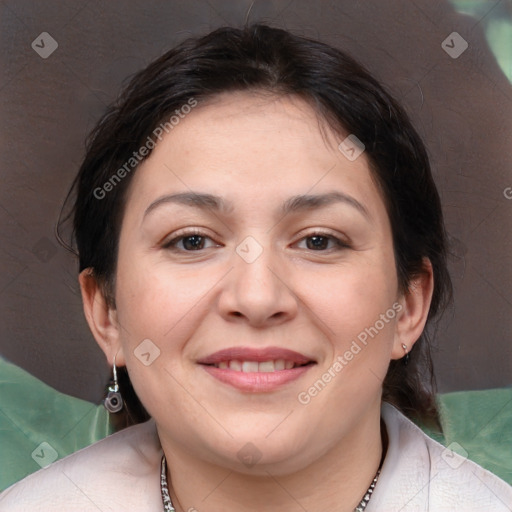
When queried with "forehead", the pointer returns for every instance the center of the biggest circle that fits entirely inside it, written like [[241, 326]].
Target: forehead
[[252, 145]]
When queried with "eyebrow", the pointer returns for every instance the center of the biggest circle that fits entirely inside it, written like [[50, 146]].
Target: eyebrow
[[310, 202], [202, 201], [294, 204]]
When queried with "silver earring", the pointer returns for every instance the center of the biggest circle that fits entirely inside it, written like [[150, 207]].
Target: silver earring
[[406, 358], [114, 401]]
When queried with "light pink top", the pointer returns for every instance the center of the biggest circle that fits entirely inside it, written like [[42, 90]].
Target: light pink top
[[121, 473]]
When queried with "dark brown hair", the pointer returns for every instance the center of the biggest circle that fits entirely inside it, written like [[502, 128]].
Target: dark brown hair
[[344, 94]]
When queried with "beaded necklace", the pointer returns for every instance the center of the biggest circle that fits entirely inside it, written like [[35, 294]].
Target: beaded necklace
[[168, 506]]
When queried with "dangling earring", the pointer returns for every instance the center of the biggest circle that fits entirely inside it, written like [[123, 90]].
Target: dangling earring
[[406, 358], [114, 401]]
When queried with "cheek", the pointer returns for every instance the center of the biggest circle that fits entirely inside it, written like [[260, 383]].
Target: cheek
[[158, 311], [357, 316], [164, 304], [350, 300]]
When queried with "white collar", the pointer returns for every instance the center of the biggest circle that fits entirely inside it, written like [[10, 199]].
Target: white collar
[[124, 468], [419, 474]]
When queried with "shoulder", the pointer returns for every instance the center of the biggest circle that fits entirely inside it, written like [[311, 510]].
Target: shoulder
[[422, 475], [122, 470]]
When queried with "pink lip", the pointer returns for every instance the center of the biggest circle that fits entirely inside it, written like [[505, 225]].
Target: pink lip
[[256, 381], [258, 355]]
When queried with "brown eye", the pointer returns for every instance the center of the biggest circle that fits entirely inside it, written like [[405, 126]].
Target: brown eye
[[322, 242], [189, 243], [317, 243], [193, 243]]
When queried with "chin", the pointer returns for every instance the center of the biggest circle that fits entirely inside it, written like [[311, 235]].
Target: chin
[[255, 454]]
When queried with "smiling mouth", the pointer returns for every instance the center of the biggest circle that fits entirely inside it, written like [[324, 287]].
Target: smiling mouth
[[256, 370], [270, 366]]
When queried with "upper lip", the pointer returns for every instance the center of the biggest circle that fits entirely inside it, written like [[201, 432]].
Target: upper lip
[[255, 354]]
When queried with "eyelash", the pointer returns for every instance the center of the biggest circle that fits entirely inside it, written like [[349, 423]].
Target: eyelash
[[171, 244], [338, 243]]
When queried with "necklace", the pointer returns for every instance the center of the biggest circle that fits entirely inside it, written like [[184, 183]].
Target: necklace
[[168, 506]]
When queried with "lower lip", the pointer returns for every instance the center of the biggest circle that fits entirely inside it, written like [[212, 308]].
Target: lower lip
[[256, 382]]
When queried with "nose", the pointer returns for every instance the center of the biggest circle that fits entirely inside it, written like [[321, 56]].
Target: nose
[[258, 292]]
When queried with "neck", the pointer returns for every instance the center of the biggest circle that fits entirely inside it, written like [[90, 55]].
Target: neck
[[335, 481]]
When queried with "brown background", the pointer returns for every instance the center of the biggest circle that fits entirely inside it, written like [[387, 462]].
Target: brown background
[[462, 107]]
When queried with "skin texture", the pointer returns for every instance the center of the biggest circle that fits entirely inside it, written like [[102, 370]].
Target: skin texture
[[256, 151]]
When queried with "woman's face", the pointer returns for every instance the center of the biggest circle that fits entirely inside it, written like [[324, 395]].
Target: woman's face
[[257, 297]]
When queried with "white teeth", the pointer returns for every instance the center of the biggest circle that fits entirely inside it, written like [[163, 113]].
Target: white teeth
[[249, 366], [235, 365], [266, 366], [279, 364], [255, 367]]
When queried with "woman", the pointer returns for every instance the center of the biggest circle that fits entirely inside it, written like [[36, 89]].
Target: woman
[[261, 246]]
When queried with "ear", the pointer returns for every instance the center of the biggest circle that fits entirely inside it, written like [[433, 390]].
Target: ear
[[412, 317], [101, 317]]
